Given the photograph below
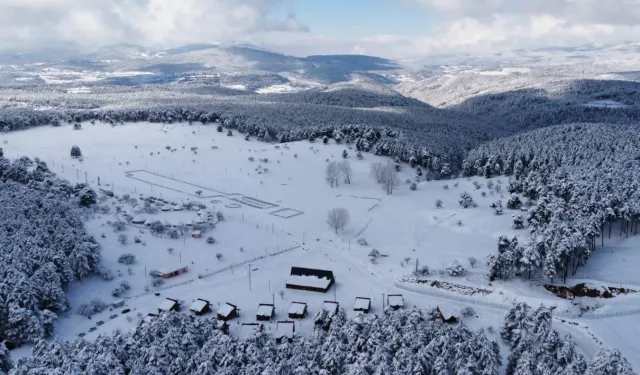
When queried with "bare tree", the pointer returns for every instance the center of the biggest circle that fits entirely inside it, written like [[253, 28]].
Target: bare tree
[[333, 173], [346, 171], [337, 219], [389, 178], [377, 171]]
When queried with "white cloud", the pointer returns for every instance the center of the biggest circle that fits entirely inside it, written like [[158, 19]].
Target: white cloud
[[148, 22]]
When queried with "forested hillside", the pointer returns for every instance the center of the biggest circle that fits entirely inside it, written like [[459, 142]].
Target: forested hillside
[[580, 179], [403, 342], [44, 247]]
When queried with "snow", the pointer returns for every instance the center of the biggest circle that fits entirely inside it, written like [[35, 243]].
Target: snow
[[605, 104], [285, 329], [265, 310], [166, 305], [395, 300], [405, 225], [198, 305], [309, 281], [236, 87], [248, 330], [277, 89], [362, 304], [225, 310], [297, 308]]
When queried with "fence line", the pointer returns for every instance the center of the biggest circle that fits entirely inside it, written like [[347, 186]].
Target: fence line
[[209, 274], [500, 306]]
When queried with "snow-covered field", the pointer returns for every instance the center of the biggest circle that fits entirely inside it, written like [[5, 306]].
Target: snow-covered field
[[282, 204]]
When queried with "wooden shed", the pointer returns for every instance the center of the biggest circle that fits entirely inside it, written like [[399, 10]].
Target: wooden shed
[[446, 318], [395, 301], [227, 311], [331, 307], [297, 310], [196, 234], [200, 307], [266, 312], [362, 304], [173, 272], [285, 331], [169, 304]]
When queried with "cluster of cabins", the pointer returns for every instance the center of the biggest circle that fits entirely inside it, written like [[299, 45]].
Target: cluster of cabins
[[300, 278]]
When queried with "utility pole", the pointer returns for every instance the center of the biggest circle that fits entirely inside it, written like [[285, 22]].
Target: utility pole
[[383, 301], [335, 298], [249, 276]]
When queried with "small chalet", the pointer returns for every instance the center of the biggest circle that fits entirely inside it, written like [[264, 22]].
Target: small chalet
[[196, 234], [227, 311], [395, 301], [331, 307], [150, 317], [169, 304], [138, 220], [446, 317], [311, 279], [118, 304], [285, 330], [248, 330], [265, 312], [362, 304], [200, 307], [297, 310], [173, 272]]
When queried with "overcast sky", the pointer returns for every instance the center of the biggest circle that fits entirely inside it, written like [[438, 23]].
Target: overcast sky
[[389, 28]]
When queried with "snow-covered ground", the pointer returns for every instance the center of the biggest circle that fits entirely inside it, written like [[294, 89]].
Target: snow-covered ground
[[281, 204], [604, 104]]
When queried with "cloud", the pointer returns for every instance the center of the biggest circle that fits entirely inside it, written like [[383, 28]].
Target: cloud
[[147, 22]]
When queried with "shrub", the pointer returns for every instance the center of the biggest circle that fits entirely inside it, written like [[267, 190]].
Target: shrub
[[219, 256], [119, 226], [106, 274], [127, 259], [455, 269], [439, 203], [445, 187], [468, 312], [477, 185], [362, 242], [422, 271], [137, 239], [514, 202], [374, 253], [154, 274], [93, 307], [413, 186], [466, 201], [211, 240], [472, 261], [125, 285], [156, 282]]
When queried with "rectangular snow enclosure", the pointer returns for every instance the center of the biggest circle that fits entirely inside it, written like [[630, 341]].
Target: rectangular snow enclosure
[[227, 311], [395, 301], [285, 330], [200, 307], [297, 310], [117, 304], [331, 307], [362, 304], [265, 312], [311, 279], [169, 304], [173, 272]]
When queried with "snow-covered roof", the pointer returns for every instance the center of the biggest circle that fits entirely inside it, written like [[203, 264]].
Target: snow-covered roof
[[396, 300], [198, 305], [265, 310], [170, 270], [167, 207], [166, 304], [329, 306], [226, 309], [362, 303], [139, 220], [177, 208], [297, 308], [196, 232], [309, 281], [285, 329]]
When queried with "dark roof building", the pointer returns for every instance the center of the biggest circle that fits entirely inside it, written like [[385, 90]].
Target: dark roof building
[[310, 279]]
